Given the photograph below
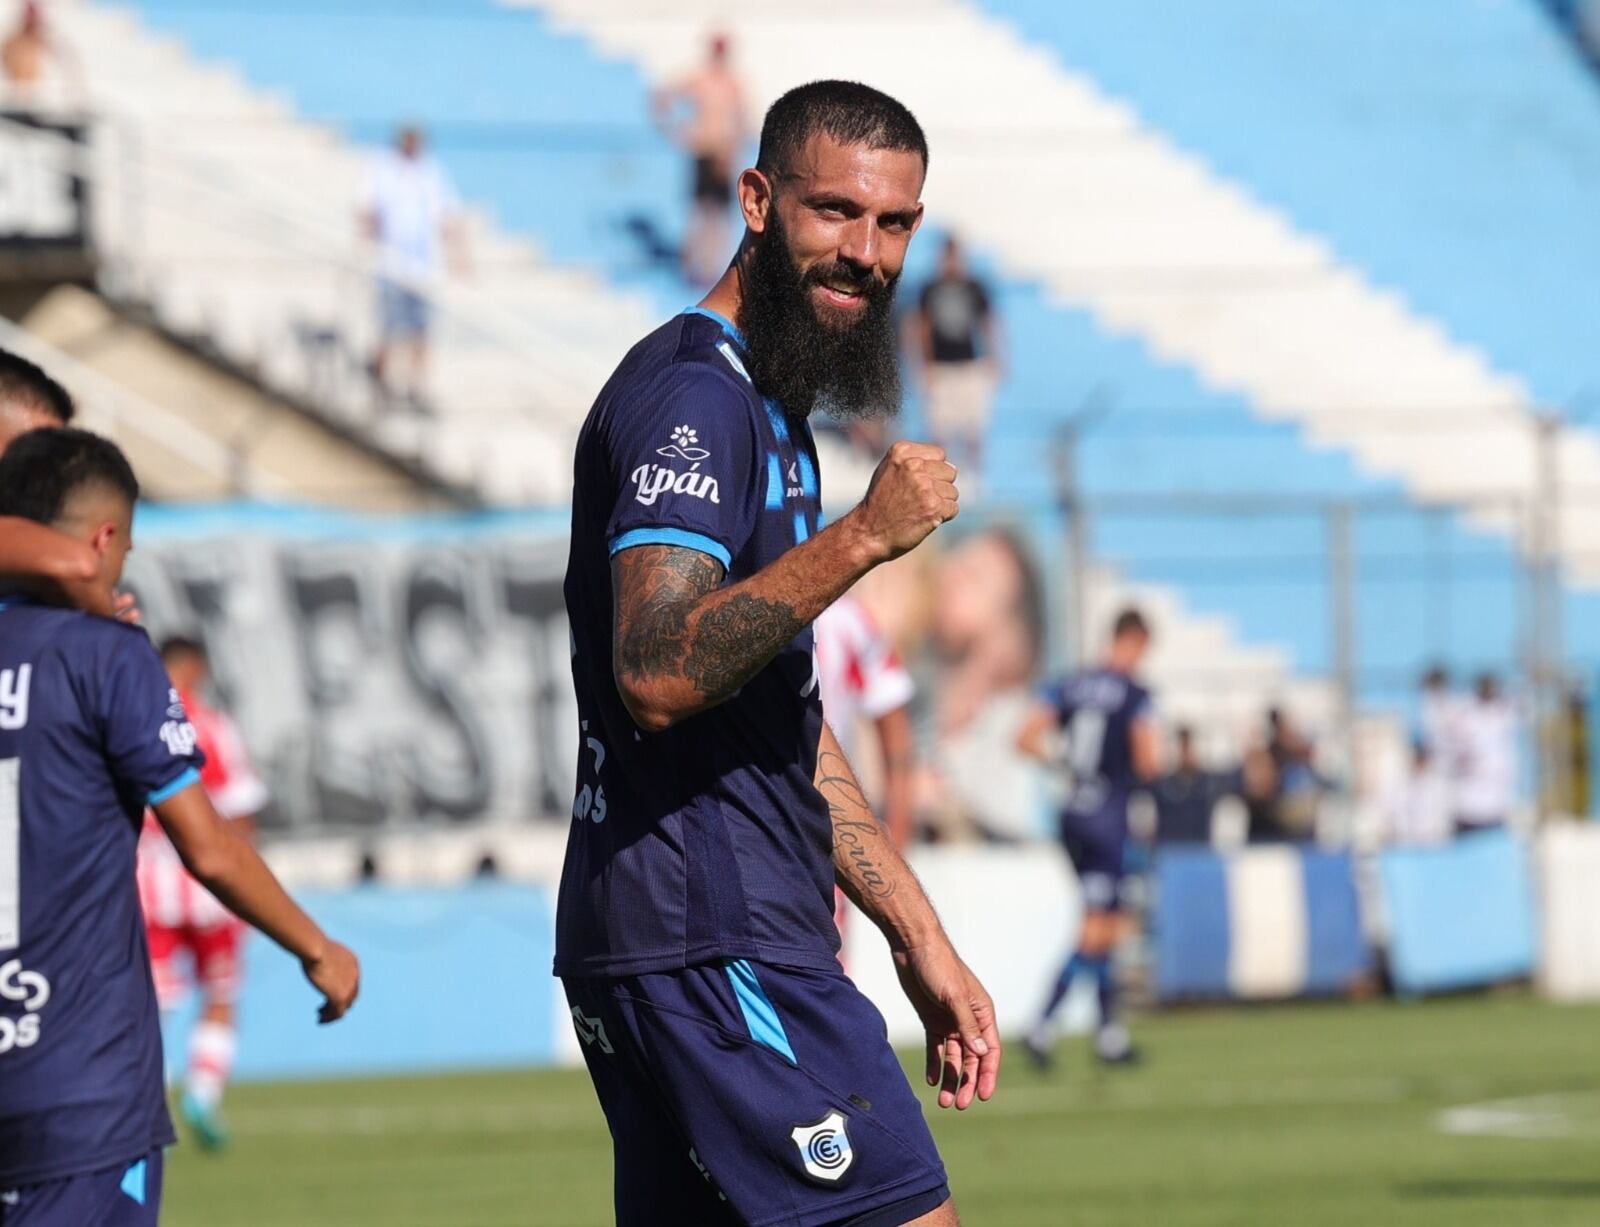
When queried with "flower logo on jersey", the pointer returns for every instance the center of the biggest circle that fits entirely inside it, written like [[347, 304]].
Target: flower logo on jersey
[[683, 445], [825, 1147]]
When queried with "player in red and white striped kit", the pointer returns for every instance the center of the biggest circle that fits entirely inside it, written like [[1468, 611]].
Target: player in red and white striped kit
[[862, 680], [190, 932]]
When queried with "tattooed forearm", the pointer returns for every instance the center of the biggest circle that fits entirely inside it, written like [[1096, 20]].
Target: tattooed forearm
[[734, 638], [654, 588], [860, 849]]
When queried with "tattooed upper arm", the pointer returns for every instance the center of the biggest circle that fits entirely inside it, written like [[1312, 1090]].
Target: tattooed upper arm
[[653, 587]]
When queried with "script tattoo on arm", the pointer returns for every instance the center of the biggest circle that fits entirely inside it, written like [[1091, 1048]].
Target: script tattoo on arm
[[864, 861], [676, 625]]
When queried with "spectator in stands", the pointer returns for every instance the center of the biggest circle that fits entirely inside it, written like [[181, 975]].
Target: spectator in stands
[[38, 68], [411, 213], [955, 347], [704, 115], [1416, 810], [1489, 767], [1299, 786], [1439, 718], [1258, 785], [1186, 796]]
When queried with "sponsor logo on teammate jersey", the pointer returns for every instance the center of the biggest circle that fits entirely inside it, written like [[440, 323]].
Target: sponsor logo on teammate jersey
[[180, 737], [825, 1148], [32, 990]]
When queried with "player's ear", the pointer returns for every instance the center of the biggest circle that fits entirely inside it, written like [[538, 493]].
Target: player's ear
[[104, 537], [755, 199]]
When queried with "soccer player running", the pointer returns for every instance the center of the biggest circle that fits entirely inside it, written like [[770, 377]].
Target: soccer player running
[[1098, 725], [743, 1076], [182, 919], [91, 731]]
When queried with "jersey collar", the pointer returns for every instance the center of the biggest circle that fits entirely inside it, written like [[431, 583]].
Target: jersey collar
[[722, 321]]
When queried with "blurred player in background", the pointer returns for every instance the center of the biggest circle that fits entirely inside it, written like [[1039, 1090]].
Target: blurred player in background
[[92, 731], [743, 1076], [863, 681], [1098, 725], [704, 114], [183, 920]]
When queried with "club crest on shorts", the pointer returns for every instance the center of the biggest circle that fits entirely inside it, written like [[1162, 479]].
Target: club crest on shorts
[[825, 1147]]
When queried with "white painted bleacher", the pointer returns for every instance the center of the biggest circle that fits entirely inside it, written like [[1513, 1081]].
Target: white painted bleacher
[[237, 222], [1068, 187]]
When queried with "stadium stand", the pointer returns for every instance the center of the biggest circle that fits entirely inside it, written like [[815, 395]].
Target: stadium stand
[[1237, 351]]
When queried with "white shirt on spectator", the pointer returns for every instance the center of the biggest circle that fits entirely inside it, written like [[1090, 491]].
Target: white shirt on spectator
[[1486, 779], [412, 200], [1417, 810]]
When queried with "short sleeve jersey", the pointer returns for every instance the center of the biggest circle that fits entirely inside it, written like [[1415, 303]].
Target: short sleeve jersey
[[91, 732], [1098, 709], [707, 840]]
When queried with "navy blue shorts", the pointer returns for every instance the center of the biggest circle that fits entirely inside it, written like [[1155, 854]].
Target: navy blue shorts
[[128, 1195], [749, 1093], [1098, 851]]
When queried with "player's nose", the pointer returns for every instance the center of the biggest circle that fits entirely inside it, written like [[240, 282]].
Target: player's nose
[[860, 243]]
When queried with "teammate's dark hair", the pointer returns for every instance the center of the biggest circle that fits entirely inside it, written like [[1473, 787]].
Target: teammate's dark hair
[[42, 469], [851, 113], [21, 380], [1130, 622], [176, 647]]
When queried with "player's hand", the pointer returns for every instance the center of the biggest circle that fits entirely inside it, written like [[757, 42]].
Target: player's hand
[[337, 976], [125, 608], [958, 1017], [912, 493]]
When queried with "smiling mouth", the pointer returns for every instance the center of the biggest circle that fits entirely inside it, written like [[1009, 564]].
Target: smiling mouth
[[842, 296]]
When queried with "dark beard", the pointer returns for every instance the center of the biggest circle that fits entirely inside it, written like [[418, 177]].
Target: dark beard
[[850, 370]]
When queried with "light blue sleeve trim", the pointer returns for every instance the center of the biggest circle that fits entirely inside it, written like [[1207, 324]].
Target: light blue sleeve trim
[[766, 1028], [167, 791], [671, 536]]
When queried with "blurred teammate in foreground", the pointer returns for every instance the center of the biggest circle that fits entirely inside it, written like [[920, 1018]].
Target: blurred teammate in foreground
[[182, 919], [744, 1077], [34, 557], [1098, 725], [91, 732]]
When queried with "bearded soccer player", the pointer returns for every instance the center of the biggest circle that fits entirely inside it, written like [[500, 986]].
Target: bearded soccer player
[[743, 1076], [91, 731]]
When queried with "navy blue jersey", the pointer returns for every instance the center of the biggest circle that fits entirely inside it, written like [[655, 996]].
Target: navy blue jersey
[[90, 732], [708, 840], [1097, 709]]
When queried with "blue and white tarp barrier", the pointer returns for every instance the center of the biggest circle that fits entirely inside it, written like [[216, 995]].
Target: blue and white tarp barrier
[[1460, 915], [1258, 923]]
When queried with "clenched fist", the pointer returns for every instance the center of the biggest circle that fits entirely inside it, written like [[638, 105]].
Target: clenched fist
[[912, 493]]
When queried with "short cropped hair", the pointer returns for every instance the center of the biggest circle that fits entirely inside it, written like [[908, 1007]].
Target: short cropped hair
[[26, 383], [43, 469], [849, 112], [1130, 622], [176, 647]]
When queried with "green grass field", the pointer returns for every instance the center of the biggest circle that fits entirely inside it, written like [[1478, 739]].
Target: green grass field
[[1456, 1113]]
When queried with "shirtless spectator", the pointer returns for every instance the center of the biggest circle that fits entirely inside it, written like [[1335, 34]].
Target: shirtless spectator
[[39, 70], [704, 115]]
